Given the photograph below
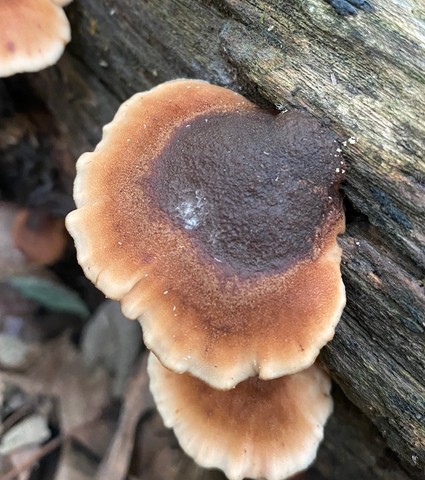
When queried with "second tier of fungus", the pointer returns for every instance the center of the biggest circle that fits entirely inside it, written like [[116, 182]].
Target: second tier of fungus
[[33, 35], [260, 429], [215, 224]]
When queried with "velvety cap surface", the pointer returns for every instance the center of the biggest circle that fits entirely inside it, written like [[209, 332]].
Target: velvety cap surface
[[33, 35], [260, 429], [215, 224]]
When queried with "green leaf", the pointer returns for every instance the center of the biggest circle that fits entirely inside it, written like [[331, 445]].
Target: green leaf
[[50, 294]]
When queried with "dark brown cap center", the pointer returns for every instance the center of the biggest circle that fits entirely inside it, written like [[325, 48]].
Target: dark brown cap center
[[255, 191]]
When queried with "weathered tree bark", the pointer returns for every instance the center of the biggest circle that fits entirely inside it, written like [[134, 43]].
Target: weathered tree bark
[[365, 75]]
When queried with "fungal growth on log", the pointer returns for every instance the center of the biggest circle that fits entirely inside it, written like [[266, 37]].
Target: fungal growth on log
[[259, 429], [215, 224], [33, 35]]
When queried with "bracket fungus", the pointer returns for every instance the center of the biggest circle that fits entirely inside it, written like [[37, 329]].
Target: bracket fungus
[[215, 224], [267, 429], [39, 235], [33, 35], [62, 3]]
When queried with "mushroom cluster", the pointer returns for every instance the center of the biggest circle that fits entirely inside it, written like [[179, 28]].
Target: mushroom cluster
[[33, 34], [215, 224]]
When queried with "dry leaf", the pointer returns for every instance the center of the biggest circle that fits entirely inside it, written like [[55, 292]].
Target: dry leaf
[[14, 353], [97, 436], [32, 430], [136, 402], [60, 371], [17, 315], [74, 465], [112, 340], [48, 292]]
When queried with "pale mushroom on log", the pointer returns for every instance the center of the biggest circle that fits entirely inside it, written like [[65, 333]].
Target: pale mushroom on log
[[33, 35], [363, 75]]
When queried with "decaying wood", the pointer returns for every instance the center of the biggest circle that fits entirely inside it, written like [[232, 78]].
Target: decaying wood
[[365, 77], [353, 449]]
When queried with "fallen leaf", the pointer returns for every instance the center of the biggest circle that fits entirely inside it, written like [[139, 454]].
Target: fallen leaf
[[97, 435], [17, 315], [32, 430], [60, 371], [23, 318], [50, 294], [14, 353], [74, 465], [137, 401], [113, 341]]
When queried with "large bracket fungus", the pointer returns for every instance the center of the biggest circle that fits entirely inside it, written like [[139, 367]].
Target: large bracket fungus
[[215, 224], [33, 35]]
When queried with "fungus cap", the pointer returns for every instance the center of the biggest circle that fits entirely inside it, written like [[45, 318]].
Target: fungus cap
[[268, 429], [39, 235], [215, 224], [62, 3], [33, 35]]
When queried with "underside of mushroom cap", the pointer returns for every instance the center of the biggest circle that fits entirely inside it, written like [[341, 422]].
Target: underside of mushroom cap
[[260, 429], [33, 35], [215, 224]]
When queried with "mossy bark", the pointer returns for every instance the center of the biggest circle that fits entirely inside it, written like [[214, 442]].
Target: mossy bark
[[365, 76]]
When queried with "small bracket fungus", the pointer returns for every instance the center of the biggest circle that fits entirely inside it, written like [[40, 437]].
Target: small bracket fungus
[[260, 429], [39, 235], [33, 35], [62, 3], [215, 223]]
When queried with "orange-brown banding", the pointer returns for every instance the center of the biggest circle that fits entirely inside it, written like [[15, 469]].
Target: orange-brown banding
[[260, 429], [33, 35], [200, 314]]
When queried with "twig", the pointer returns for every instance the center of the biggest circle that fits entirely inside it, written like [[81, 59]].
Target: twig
[[115, 465], [16, 416], [43, 451], [40, 453]]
